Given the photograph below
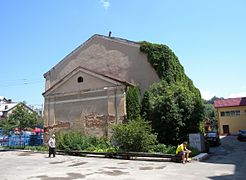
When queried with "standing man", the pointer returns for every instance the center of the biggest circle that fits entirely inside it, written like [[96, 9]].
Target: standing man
[[52, 146], [183, 152]]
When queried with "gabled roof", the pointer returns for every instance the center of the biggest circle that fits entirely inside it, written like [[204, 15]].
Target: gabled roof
[[114, 39], [231, 102], [7, 106], [89, 72]]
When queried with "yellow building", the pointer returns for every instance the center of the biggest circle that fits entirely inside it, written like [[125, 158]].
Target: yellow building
[[231, 114]]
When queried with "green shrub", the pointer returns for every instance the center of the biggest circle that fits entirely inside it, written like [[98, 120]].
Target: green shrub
[[36, 148], [32, 148], [162, 148], [70, 141], [134, 136]]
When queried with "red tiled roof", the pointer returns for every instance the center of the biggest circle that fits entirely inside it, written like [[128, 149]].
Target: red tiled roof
[[230, 102]]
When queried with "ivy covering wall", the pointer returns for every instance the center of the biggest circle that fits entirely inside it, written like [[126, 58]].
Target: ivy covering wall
[[174, 105]]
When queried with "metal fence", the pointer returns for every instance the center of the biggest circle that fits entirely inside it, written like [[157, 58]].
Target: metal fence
[[26, 138]]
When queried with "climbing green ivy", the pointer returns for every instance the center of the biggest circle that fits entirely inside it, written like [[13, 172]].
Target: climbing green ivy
[[166, 64], [164, 61], [174, 105]]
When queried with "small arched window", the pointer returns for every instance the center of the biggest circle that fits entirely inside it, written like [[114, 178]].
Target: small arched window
[[80, 79]]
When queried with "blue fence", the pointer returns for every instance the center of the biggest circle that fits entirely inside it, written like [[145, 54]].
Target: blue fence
[[26, 138]]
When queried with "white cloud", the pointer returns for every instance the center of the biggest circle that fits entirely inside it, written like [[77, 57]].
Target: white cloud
[[206, 95], [105, 4], [239, 94]]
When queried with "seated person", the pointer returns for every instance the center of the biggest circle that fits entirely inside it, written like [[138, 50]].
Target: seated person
[[183, 152]]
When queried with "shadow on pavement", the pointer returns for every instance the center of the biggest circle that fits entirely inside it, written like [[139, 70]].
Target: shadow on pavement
[[231, 152]]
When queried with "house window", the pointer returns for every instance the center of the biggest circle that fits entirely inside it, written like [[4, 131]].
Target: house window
[[230, 113], [237, 113], [80, 79], [227, 113], [233, 113]]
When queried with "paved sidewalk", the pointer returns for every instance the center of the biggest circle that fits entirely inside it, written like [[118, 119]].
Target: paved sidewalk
[[29, 165]]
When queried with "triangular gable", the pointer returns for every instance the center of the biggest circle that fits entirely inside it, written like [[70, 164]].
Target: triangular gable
[[81, 71], [114, 39]]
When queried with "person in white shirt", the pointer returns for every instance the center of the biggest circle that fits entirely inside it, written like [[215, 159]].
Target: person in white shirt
[[52, 146]]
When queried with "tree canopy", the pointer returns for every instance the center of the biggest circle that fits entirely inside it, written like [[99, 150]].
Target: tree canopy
[[22, 118]]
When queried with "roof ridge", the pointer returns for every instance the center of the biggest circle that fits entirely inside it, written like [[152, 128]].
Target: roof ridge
[[230, 102], [118, 39]]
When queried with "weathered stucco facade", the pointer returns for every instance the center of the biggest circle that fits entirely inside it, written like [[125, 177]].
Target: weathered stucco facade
[[87, 89]]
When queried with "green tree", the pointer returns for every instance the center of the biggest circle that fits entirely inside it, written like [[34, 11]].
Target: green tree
[[133, 102], [173, 112], [134, 136], [22, 118], [211, 101], [211, 114], [8, 124]]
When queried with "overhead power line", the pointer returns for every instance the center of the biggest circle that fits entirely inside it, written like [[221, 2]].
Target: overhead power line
[[20, 84]]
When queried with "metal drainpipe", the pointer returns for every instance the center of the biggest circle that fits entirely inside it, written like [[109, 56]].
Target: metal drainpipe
[[115, 105]]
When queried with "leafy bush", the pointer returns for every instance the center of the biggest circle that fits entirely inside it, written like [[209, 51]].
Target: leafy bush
[[32, 148], [36, 148], [134, 136], [74, 140], [162, 148]]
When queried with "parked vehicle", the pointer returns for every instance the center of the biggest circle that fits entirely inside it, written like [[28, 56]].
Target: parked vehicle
[[241, 135], [213, 138]]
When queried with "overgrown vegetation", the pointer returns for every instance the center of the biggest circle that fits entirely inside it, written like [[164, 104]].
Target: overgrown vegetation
[[136, 136], [70, 141], [173, 106]]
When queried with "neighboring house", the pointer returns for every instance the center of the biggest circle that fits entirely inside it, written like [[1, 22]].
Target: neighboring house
[[7, 107], [38, 109], [87, 89], [231, 114]]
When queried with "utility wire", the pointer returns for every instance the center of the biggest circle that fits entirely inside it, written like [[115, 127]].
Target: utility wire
[[20, 84], [21, 79]]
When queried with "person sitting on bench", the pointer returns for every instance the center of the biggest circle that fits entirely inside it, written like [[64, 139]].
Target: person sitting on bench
[[183, 152]]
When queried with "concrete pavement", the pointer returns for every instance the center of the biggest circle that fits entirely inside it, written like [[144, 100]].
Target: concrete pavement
[[29, 165]]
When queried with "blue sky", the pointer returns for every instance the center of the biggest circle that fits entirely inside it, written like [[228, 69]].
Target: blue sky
[[208, 37]]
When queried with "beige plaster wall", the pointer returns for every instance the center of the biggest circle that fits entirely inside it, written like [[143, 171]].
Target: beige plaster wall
[[90, 112], [110, 57]]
